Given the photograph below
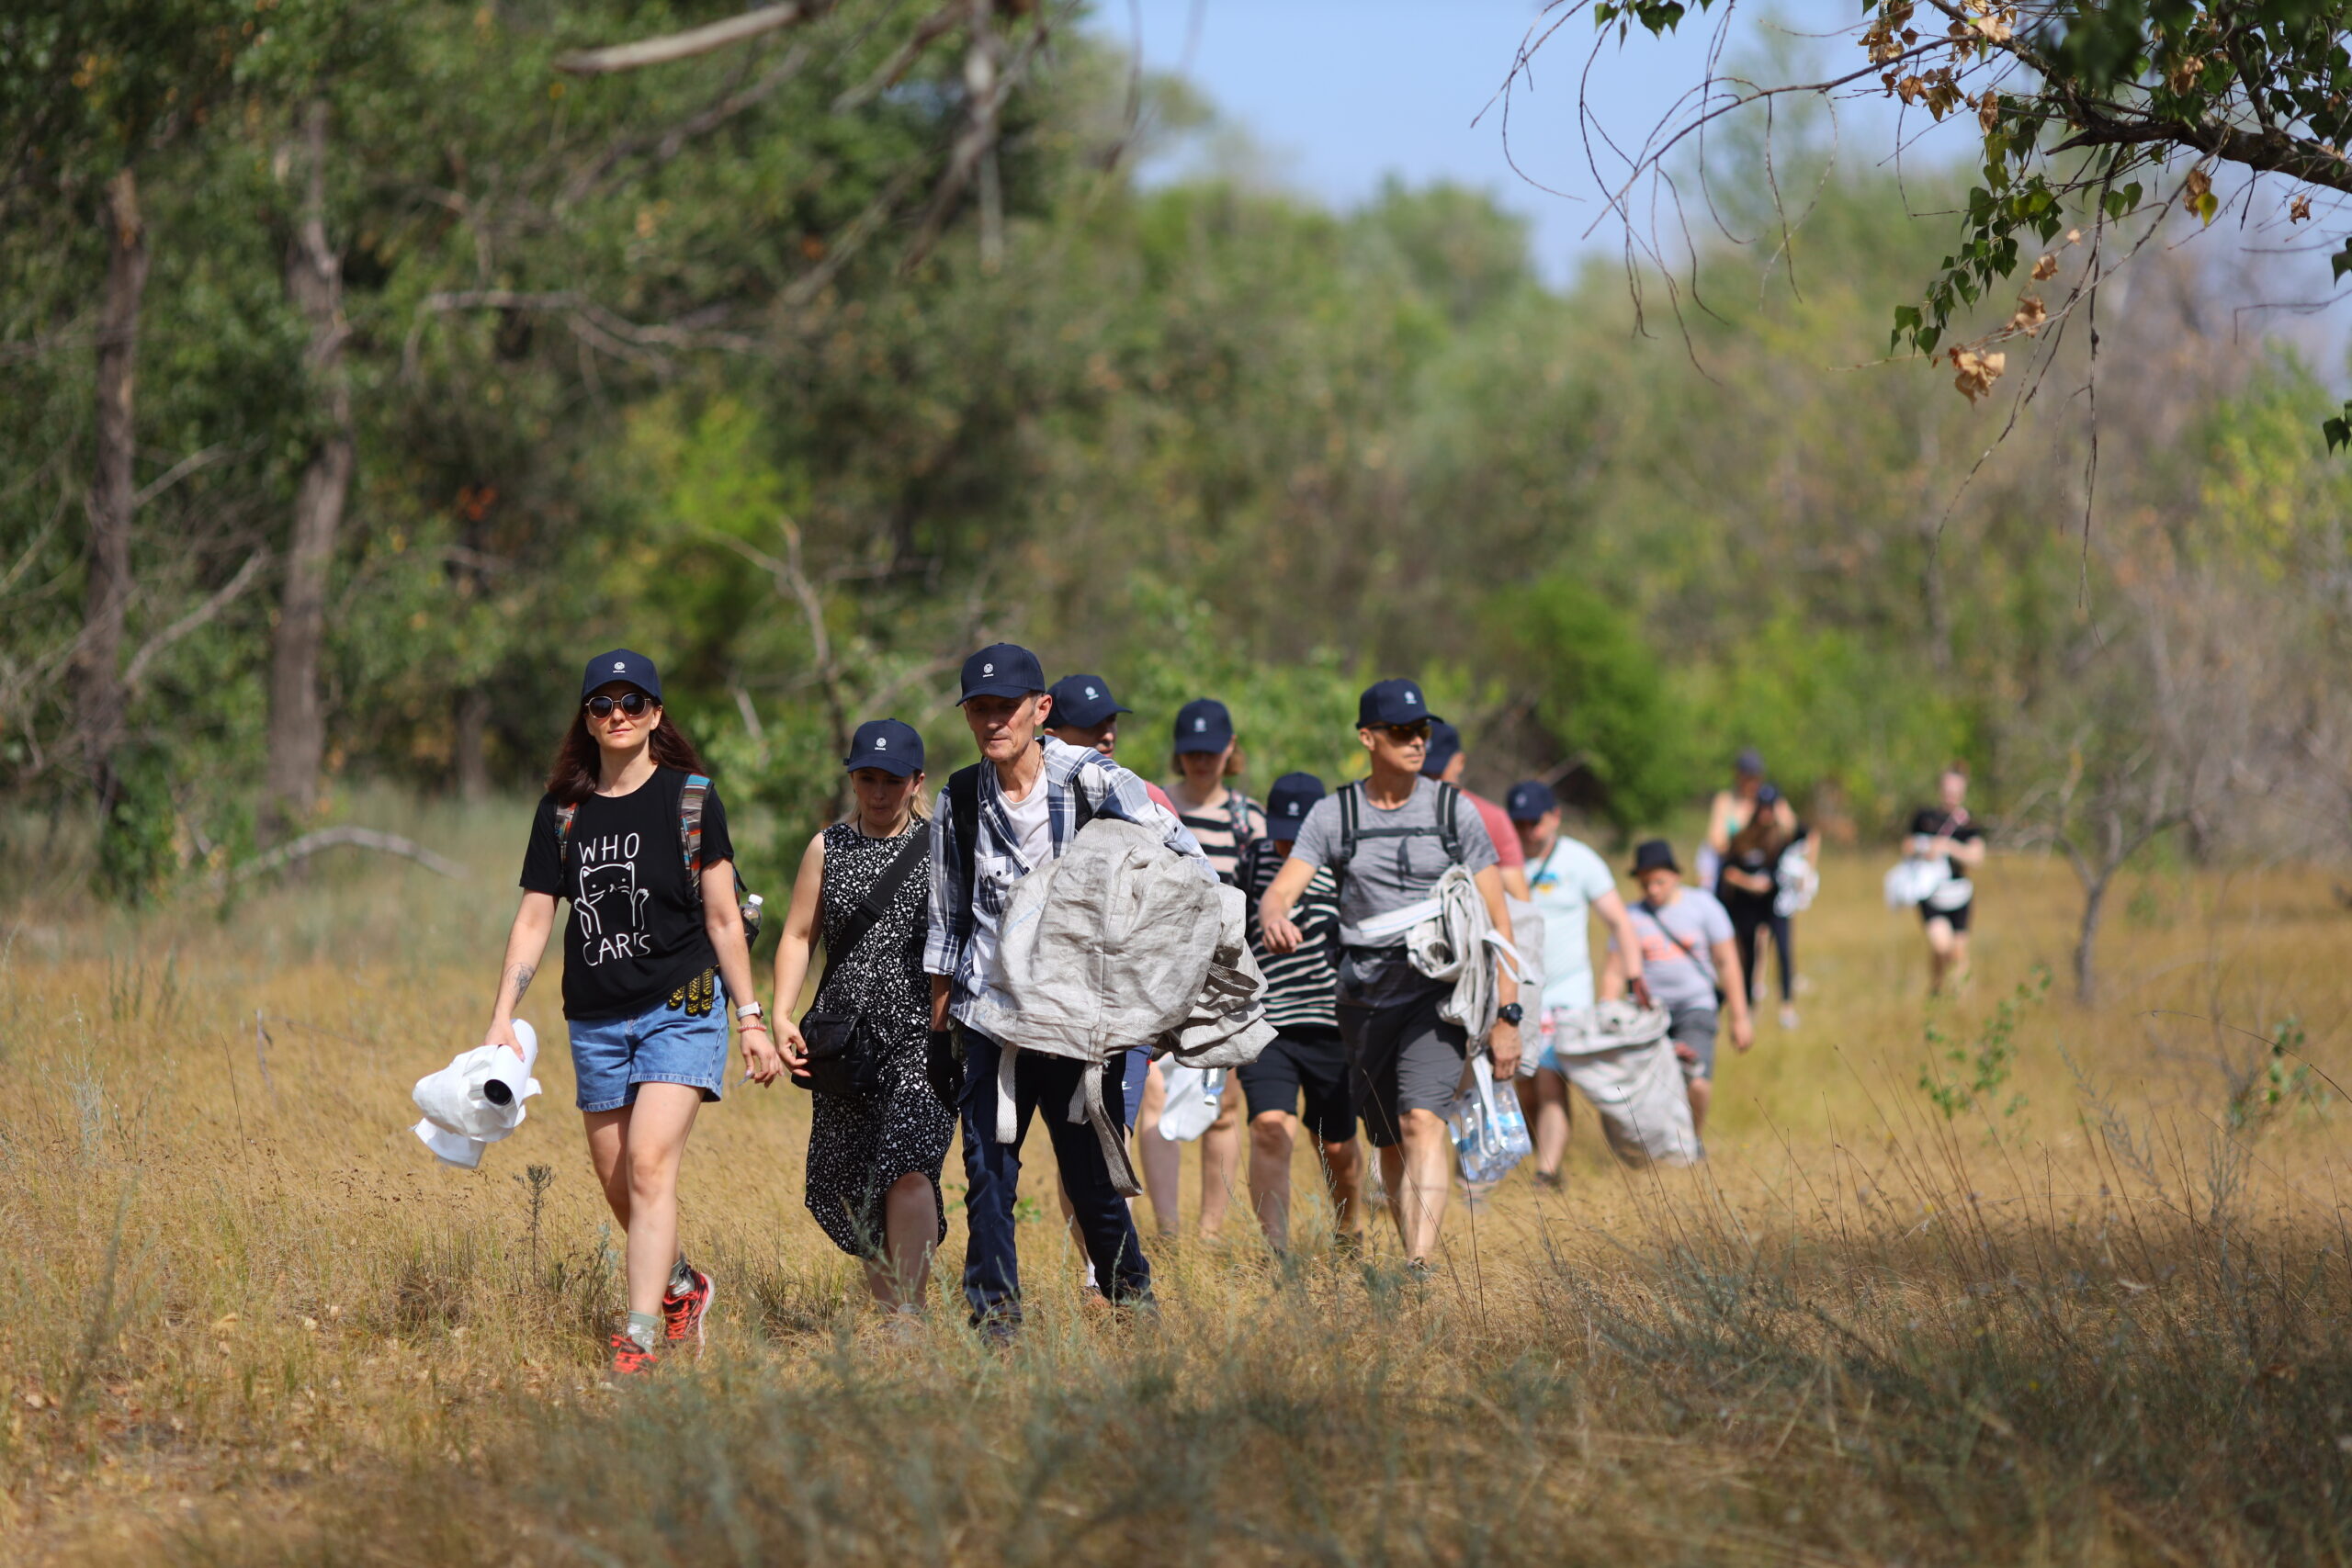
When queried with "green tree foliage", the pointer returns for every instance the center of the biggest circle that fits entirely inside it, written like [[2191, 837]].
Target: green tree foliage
[[624, 371]]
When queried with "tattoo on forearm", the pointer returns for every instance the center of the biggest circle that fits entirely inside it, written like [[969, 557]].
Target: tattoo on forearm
[[521, 974]]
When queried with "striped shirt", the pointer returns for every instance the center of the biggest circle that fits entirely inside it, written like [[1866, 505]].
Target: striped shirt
[[1303, 985], [960, 908], [1224, 831]]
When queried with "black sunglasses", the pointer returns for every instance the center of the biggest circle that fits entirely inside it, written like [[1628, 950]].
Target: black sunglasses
[[633, 704], [1406, 734]]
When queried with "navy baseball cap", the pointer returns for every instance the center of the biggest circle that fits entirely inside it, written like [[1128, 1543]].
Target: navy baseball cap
[[1002, 669], [624, 665], [1203, 725], [1391, 701], [1749, 762], [1083, 701], [889, 744], [1445, 744], [1654, 854], [1288, 802], [1529, 800]]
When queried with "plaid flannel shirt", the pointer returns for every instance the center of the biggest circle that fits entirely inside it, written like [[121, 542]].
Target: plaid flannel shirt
[[1111, 791]]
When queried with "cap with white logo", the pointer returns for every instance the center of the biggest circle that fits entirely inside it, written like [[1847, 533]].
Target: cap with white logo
[[888, 745], [1083, 701], [1391, 701], [1203, 725], [620, 667], [1002, 669]]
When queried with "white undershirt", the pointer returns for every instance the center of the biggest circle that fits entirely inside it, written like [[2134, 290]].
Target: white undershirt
[[1033, 840]]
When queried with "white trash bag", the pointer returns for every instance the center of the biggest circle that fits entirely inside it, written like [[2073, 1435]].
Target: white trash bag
[[1192, 1097], [477, 1099], [1913, 880]]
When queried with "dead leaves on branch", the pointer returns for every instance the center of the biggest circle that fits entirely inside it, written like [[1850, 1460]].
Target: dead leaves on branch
[[1977, 369], [1976, 365]]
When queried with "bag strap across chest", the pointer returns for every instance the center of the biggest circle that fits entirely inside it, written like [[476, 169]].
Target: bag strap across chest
[[914, 853]]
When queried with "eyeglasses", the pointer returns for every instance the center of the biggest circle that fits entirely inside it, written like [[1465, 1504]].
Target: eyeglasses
[[633, 704], [1406, 734]]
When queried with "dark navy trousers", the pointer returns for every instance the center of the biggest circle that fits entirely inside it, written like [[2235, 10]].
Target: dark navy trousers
[[992, 1172]]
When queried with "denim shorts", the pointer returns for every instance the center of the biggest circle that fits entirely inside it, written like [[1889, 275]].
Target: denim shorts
[[611, 1056]]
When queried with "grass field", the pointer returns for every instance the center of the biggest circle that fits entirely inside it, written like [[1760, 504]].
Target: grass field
[[2094, 1315]]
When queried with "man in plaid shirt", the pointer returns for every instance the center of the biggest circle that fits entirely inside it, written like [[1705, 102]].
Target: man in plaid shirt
[[999, 820]]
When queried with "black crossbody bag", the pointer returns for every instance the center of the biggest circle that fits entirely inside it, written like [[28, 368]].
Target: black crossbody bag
[[841, 1057]]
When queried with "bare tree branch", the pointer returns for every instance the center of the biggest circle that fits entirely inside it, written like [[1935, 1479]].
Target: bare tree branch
[[350, 838], [228, 594], [684, 45]]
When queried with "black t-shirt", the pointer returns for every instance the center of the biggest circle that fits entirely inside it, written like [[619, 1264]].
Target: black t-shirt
[[636, 933], [1934, 822]]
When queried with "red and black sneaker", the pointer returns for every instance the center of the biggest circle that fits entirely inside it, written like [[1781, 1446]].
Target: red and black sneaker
[[629, 1358], [682, 1311]]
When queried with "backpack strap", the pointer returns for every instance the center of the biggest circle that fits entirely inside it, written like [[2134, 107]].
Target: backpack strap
[[1348, 807], [690, 801], [564, 815], [1081, 808], [1449, 824], [964, 815]]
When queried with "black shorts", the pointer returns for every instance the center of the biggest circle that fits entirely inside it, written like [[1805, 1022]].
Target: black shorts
[[1404, 1058], [1313, 1062], [1959, 918]]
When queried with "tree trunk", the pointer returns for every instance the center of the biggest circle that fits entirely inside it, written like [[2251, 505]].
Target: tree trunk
[[2086, 938], [98, 664], [472, 752], [297, 722]]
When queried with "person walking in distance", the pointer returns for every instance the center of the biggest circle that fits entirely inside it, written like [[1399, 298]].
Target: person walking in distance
[[1685, 951], [1749, 887], [1308, 1057], [1225, 822], [1730, 811], [1388, 839], [1015, 809], [632, 832], [1446, 762], [1946, 828], [1567, 883], [876, 1146]]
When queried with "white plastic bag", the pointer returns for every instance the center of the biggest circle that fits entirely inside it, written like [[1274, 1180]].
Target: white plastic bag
[[1193, 1097], [1489, 1130], [1914, 879], [477, 1099], [1797, 880]]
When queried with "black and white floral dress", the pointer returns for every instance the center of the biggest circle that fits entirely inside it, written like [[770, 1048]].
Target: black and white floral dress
[[859, 1146]]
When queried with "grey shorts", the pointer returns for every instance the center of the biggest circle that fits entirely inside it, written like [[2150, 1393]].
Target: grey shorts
[[1694, 1027], [1401, 1058]]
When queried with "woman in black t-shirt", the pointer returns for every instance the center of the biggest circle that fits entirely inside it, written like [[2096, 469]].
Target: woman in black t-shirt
[[631, 833], [1947, 829]]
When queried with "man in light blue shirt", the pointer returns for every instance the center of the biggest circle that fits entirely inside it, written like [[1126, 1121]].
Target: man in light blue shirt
[[1569, 883]]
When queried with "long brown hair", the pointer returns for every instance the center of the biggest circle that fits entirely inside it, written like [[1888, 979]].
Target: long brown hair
[[1763, 835], [578, 763]]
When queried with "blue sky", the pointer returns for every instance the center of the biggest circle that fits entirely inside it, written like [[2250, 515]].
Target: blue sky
[[1338, 94]]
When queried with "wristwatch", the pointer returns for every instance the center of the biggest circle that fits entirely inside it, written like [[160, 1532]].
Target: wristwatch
[[1511, 1013], [748, 1012]]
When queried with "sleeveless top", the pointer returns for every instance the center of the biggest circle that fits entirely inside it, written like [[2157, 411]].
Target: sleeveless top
[[883, 979]]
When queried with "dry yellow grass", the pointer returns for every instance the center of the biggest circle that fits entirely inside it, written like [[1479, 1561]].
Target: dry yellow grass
[[247, 1319]]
